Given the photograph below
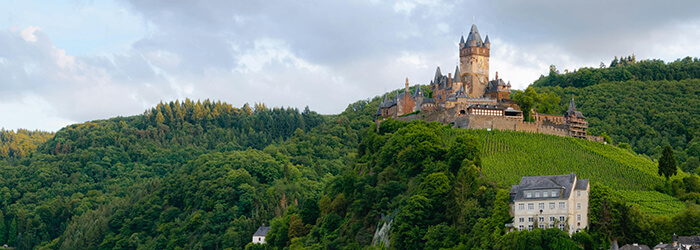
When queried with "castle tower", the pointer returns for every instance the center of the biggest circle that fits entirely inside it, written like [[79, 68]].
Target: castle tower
[[474, 63]]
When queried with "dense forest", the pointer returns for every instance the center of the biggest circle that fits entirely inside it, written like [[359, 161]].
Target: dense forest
[[205, 174], [641, 104]]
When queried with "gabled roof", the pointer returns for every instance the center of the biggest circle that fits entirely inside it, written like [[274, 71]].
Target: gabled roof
[[460, 93], [262, 231]]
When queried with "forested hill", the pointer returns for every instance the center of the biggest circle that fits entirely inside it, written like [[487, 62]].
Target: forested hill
[[644, 104], [188, 174], [623, 69]]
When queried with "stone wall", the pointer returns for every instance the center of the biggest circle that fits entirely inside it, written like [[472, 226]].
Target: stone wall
[[450, 116]]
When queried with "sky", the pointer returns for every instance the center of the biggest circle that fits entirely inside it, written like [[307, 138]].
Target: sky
[[72, 61]]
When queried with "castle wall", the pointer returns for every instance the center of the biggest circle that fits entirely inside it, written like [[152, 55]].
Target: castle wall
[[503, 123]]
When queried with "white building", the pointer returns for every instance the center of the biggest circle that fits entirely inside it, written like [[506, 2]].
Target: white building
[[550, 201], [259, 236]]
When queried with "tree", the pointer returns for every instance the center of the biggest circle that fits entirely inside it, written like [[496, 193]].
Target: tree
[[3, 229], [667, 163], [690, 165], [309, 211]]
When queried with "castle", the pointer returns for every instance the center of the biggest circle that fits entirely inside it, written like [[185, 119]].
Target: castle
[[468, 99]]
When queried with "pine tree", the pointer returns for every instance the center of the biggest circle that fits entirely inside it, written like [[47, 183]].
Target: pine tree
[[667, 163], [12, 233]]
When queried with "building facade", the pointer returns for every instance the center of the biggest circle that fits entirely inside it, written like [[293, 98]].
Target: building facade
[[559, 201], [259, 235]]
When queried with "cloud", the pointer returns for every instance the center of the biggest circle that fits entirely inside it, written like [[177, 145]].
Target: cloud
[[28, 33], [121, 57]]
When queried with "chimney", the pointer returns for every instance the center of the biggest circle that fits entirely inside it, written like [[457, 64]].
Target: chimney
[[496, 75]]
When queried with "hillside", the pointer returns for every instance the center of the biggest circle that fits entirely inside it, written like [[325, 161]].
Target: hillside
[[507, 156], [206, 175], [645, 104]]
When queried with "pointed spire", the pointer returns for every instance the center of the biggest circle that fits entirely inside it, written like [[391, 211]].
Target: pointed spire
[[406, 82], [474, 39], [418, 92], [461, 41], [487, 39], [457, 78], [438, 74], [572, 105]]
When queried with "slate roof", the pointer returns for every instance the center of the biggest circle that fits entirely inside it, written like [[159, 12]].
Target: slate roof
[[665, 246], [572, 110], [561, 182], [457, 78], [461, 41], [428, 100], [460, 93], [438, 74], [262, 231], [474, 36], [418, 91], [689, 240], [581, 184], [633, 247], [487, 39]]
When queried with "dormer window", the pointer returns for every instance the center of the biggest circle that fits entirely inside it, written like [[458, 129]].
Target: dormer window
[[528, 194], [537, 194], [545, 194]]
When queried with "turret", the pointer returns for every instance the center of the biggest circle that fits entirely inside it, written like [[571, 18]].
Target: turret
[[474, 63]]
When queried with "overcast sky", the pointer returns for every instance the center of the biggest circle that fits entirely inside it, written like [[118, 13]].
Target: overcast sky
[[64, 62]]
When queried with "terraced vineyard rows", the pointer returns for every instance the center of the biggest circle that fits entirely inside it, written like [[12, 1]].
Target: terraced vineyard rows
[[507, 156]]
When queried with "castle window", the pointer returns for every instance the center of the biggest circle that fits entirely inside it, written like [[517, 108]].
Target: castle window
[[578, 217], [537, 194], [545, 194], [529, 219], [562, 218], [528, 194], [521, 227], [562, 205], [521, 220], [551, 206], [554, 193], [531, 206], [541, 205], [521, 206], [578, 205]]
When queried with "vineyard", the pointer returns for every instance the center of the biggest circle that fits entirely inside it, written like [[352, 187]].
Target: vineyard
[[508, 156], [652, 202]]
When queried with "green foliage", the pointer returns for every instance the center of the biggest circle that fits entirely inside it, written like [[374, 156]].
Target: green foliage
[[641, 112], [15, 145], [546, 103], [667, 163]]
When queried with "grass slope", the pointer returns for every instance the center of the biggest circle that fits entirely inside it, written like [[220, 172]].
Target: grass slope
[[508, 156]]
